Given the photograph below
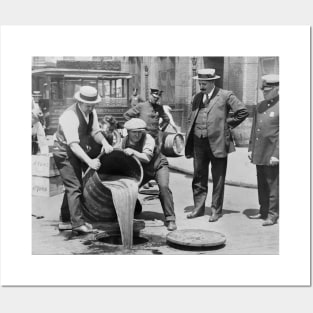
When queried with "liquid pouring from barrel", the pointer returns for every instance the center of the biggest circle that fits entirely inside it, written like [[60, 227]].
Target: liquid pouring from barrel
[[112, 191]]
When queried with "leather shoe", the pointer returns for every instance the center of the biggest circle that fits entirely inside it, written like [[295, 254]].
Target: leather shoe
[[214, 217], [256, 216], [195, 213], [269, 221], [171, 226], [83, 229]]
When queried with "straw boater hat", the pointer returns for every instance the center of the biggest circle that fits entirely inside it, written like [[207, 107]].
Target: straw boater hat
[[135, 124], [88, 94], [206, 74], [270, 80]]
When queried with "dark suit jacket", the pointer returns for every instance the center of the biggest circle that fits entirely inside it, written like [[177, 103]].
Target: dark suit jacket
[[264, 139], [218, 122]]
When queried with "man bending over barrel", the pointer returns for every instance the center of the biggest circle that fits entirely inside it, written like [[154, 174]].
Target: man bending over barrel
[[78, 141], [154, 164]]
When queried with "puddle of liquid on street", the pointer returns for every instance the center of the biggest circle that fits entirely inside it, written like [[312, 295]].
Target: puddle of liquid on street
[[117, 240], [113, 244]]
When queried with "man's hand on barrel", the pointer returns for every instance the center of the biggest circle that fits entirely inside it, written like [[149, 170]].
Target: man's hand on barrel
[[129, 151], [106, 148], [94, 164]]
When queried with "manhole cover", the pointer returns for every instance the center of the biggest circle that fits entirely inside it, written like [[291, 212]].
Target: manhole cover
[[196, 238]]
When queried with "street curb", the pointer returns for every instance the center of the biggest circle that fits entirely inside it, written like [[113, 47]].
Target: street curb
[[227, 182]]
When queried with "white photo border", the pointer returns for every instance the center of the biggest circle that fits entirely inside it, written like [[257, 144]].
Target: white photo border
[[292, 267]]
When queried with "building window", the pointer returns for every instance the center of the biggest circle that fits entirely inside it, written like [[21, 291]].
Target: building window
[[71, 86], [269, 65], [57, 88]]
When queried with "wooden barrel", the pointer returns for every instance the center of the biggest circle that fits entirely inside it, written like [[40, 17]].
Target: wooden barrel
[[173, 144], [97, 198], [241, 133], [113, 137]]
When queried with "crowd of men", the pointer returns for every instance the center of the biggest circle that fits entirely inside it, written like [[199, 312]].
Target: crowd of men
[[208, 141]]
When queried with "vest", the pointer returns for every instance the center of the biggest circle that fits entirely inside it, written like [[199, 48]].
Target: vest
[[200, 126], [84, 130], [148, 168]]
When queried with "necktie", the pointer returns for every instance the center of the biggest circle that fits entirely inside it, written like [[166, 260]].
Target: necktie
[[205, 99]]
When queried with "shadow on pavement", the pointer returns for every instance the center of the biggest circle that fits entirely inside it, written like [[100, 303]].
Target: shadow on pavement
[[208, 210], [189, 208], [229, 212], [150, 216], [249, 212]]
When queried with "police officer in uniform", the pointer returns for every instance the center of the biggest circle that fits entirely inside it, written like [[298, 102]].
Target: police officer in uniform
[[264, 150], [151, 112]]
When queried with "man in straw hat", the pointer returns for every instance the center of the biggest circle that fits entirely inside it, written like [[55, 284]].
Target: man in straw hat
[[78, 127], [155, 166], [209, 140], [264, 150]]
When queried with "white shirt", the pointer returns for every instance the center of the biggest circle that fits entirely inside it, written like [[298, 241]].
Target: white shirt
[[210, 94], [38, 130], [69, 122], [148, 146]]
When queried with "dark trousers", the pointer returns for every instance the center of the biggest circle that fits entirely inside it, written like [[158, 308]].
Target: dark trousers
[[161, 175], [203, 156], [268, 190], [71, 169]]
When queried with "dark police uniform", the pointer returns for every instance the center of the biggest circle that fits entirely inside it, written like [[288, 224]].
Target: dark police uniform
[[151, 114], [264, 143]]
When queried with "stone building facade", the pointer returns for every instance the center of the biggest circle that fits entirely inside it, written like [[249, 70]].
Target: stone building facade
[[174, 75]]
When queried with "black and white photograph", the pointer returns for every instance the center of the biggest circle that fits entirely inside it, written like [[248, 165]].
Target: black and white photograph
[[155, 155], [161, 164]]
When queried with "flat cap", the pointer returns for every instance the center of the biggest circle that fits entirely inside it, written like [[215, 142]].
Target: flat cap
[[135, 124]]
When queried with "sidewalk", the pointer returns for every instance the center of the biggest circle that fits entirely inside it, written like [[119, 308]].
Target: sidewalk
[[240, 172]]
